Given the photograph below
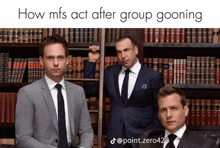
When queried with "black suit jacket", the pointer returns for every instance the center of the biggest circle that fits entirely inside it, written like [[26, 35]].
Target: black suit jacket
[[139, 113], [188, 140]]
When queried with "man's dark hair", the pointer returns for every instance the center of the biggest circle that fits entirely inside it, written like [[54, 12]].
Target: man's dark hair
[[168, 90], [133, 42], [53, 39]]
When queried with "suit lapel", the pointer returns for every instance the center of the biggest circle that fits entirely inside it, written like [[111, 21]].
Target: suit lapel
[[115, 80], [49, 100], [70, 102], [185, 140]]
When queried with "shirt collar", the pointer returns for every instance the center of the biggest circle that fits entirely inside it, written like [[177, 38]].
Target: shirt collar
[[135, 68], [51, 84], [178, 133]]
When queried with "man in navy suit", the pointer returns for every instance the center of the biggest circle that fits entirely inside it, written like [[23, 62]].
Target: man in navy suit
[[133, 109]]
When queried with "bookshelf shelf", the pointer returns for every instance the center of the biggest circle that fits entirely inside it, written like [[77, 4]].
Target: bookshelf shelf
[[183, 45], [78, 45], [13, 84], [204, 127], [196, 86], [19, 44]]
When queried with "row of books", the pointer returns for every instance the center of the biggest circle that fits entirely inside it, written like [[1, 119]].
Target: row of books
[[20, 35], [203, 112], [7, 143], [85, 35], [192, 70], [181, 35], [7, 107], [12, 70], [76, 65]]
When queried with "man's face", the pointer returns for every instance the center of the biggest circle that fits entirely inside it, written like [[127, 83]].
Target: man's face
[[126, 53], [54, 61], [171, 112]]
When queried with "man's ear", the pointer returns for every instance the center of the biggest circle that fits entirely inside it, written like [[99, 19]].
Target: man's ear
[[136, 49], [67, 60], [41, 60], [186, 110]]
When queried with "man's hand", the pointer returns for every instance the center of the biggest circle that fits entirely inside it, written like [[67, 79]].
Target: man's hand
[[94, 55]]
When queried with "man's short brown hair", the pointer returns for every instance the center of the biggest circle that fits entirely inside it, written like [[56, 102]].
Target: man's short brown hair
[[133, 42], [53, 39], [168, 90]]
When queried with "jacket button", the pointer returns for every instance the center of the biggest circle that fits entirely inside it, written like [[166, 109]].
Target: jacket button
[[56, 140]]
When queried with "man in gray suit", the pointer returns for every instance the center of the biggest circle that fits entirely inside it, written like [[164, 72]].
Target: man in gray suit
[[52, 112], [172, 113]]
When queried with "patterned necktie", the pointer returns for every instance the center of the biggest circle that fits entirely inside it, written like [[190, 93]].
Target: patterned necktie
[[61, 119], [124, 92], [171, 138]]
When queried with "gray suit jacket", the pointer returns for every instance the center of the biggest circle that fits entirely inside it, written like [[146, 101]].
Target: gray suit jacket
[[36, 123], [188, 140]]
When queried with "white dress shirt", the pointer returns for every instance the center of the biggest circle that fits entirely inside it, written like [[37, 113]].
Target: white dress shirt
[[132, 77], [51, 84], [179, 135]]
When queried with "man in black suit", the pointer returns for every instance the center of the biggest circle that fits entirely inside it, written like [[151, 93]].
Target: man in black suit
[[172, 113], [133, 106]]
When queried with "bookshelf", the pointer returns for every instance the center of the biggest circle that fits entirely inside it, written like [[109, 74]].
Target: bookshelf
[[154, 50], [198, 91]]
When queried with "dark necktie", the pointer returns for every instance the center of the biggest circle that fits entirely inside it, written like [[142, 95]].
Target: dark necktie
[[61, 119], [124, 91], [171, 138]]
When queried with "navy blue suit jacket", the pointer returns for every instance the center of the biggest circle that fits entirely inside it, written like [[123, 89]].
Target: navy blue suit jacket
[[139, 113], [188, 140]]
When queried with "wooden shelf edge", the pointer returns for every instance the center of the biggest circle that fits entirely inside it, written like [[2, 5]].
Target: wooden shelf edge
[[204, 127], [195, 86], [19, 44], [185, 45]]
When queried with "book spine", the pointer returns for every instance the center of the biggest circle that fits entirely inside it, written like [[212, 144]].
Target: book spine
[[7, 107], [73, 67], [189, 35], [167, 36], [183, 35], [162, 35], [174, 72], [194, 35], [203, 112], [71, 35], [172, 35], [193, 70], [202, 72], [178, 35], [214, 113], [204, 35], [155, 64], [146, 35], [217, 71], [2, 103], [165, 70], [171, 68], [90, 35], [199, 35], [156, 35], [197, 112], [160, 65], [151, 35], [210, 35], [198, 70], [212, 70], [208, 112], [6, 58]]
